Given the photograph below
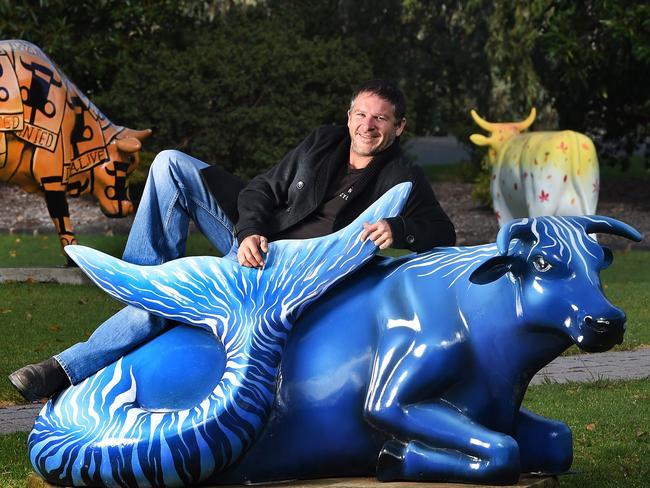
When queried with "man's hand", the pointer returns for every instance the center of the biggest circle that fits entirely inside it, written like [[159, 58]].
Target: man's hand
[[379, 233], [249, 254]]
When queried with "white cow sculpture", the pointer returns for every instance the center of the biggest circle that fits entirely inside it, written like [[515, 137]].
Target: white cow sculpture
[[539, 173]]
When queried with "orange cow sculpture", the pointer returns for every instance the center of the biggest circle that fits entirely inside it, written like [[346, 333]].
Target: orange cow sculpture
[[54, 141]]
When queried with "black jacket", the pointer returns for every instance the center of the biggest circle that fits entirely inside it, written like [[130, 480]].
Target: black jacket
[[283, 196]]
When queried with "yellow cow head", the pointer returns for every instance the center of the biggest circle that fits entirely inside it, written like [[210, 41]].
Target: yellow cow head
[[500, 133]]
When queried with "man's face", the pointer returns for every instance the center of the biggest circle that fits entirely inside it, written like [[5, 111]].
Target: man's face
[[372, 124]]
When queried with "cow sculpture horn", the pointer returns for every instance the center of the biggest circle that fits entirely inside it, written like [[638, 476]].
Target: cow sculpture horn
[[608, 225], [516, 229], [140, 135], [523, 229], [525, 124], [482, 123]]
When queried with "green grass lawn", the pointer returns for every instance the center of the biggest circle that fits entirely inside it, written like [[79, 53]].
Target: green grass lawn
[[609, 420], [44, 250], [14, 464], [627, 285], [38, 320]]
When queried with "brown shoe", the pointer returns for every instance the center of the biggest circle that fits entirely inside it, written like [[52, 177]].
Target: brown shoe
[[36, 382]]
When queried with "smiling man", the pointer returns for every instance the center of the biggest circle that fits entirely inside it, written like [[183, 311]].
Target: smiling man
[[319, 187], [334, 174]]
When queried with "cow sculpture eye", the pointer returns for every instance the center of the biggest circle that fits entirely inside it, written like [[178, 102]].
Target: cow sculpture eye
[[541, 264]]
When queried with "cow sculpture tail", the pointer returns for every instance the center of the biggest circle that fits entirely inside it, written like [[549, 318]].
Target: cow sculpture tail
[[96, 433]]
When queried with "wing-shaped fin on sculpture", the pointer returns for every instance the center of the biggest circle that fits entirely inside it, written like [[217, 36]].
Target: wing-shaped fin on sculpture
[[203, 290]]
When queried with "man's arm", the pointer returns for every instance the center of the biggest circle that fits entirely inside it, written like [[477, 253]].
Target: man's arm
[[423, 224], [266, 192]]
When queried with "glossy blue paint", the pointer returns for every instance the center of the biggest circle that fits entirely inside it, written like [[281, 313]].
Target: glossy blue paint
[[413, 368]]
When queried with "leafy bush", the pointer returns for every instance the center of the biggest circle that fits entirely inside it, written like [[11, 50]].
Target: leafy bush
[[243, 92], [481, 189]]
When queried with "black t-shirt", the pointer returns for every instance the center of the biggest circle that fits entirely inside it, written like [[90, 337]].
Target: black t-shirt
[[321, 221]]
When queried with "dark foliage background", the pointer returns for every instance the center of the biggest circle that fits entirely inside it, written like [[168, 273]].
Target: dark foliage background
[[239, 82]]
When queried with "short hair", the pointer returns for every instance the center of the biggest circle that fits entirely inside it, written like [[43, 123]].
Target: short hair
[[386, 89]]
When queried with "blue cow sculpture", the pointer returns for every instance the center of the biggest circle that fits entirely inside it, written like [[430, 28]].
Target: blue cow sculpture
[[413, 369]]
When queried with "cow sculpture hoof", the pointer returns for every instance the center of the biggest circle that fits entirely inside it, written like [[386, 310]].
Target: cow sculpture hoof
[[412, 368], [391, 461]]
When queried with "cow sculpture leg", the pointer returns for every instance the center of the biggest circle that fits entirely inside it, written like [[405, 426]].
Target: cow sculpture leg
[[435, 440], [546, 446], [57, 207], [501, 210]]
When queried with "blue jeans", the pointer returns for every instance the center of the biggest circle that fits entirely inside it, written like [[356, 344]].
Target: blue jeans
[[174, 194]]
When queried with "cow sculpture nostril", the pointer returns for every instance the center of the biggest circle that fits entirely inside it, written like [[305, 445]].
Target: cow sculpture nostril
[[602, 325]]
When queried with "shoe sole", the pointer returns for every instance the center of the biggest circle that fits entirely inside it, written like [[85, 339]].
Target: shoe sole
[[20, 387]]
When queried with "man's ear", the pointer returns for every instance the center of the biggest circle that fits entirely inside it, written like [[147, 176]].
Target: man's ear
[[400, 127], [493, 269]]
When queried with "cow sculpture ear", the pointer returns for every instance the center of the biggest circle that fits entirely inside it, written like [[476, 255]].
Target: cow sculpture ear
[[493, 269], [479, 140], [608, 257]]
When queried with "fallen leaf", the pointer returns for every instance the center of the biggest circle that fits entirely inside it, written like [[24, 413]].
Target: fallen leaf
[[55, 328], [28, 316], [591, 427], [640, 433], [5, 310], [83, 301]]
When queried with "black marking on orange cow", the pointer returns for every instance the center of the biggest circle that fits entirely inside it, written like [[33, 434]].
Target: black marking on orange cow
[[37, 94], [57, 206]]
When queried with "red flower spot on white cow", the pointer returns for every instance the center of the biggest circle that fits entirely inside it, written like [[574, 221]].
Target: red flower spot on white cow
[[549, 177], [525, 174], [497, 215], [584, 146], [596, 186], [543, 196], [563, 147], [565, 178], [573, 201]]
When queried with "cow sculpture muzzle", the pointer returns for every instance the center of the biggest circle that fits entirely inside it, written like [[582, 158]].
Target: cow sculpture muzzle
[[604, 331], [111, 179]]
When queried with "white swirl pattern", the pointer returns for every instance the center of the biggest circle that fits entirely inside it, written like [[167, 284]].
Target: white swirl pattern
[[566, 237]]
